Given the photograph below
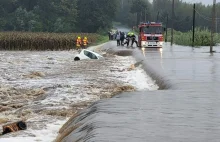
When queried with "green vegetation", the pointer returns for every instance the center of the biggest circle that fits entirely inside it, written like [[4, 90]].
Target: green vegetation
[[61, 16], [90, 16], [43, 41], [101, 39], [132, 12], [96, 16], [53, 24], [202, 37]]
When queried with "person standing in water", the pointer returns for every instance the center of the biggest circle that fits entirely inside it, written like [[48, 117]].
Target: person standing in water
[[122, 38], [118, 36]]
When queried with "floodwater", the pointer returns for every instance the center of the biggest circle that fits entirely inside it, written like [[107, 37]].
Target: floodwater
[[186, 108], [46, 88]]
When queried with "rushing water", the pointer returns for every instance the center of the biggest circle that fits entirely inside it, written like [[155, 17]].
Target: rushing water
[[186, 108]]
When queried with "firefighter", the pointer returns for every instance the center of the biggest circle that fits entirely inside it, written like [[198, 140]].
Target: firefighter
[[128, 37], [78, 42], [133, 39], [85, 42]]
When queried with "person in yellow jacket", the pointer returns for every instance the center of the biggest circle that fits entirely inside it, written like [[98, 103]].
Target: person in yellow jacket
[[85, 42], [128, 38], [78, 42]]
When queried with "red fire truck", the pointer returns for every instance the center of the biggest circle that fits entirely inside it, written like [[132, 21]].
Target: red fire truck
[[151, 35]]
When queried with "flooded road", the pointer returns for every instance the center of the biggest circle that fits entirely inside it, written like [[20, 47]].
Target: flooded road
[[46, 88], [185, 108], [184, 67]]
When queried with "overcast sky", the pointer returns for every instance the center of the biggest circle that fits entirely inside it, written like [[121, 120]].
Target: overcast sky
[[202, 1]]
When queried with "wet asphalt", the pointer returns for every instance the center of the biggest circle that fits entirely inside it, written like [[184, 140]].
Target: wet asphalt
[[186, 108]]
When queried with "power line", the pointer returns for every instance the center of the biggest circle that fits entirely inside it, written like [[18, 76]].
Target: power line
[[179, 21], [205, 17], [163, 18]]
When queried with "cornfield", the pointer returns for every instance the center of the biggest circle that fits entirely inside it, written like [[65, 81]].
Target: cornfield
[[42, 41]]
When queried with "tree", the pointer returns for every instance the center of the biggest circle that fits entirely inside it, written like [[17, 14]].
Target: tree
[[97, 15], [94, 15], [140, 7]]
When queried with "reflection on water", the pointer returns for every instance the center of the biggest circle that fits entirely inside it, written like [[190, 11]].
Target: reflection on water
[[184, 68], [146, 50], [161, 52], [143, 51]]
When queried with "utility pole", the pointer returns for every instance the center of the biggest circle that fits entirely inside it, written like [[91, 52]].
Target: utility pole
[[166, 27], [194, 17], [158, 16], [141, 17], [216, 27], [122, 4], [213, 25], [145, 15], [29, 5], [172, 23], [137, 16]]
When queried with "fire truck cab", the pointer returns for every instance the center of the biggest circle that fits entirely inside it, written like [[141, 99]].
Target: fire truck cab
[[151, 35]]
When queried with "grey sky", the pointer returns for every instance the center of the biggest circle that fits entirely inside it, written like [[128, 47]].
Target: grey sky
[[202, 1]]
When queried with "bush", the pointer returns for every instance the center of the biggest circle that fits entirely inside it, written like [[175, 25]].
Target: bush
[[202, 37]]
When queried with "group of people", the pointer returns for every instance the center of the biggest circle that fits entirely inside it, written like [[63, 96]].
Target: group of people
[[81, 43], [112, 34], [130, 37], [120, 37]]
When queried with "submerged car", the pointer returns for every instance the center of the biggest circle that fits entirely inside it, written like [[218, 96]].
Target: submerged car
[[87, 54]]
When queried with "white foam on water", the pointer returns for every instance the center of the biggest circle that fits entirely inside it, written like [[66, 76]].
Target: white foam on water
[[64, 96], [136, 77], [141, 80], [45, 135]]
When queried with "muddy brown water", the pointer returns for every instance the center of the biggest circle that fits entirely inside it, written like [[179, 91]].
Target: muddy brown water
[[185, 108]]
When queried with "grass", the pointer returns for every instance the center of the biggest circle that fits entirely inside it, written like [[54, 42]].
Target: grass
[[101, 39], [44, 41], [202, 38]]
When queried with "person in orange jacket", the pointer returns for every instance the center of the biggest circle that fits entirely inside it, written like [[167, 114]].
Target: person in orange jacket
[[78, 42], [85, 42]]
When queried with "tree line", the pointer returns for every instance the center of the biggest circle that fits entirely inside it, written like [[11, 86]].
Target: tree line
[[57, 15], [97, 15], [132, 12]]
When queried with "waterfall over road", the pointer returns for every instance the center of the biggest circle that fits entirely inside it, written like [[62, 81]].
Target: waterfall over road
[[186, 108]]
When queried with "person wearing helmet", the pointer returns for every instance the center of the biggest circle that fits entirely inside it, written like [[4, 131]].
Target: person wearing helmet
[[85, 42], [78, 42]]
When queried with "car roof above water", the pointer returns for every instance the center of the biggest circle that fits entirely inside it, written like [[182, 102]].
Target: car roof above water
[[91, 52]]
